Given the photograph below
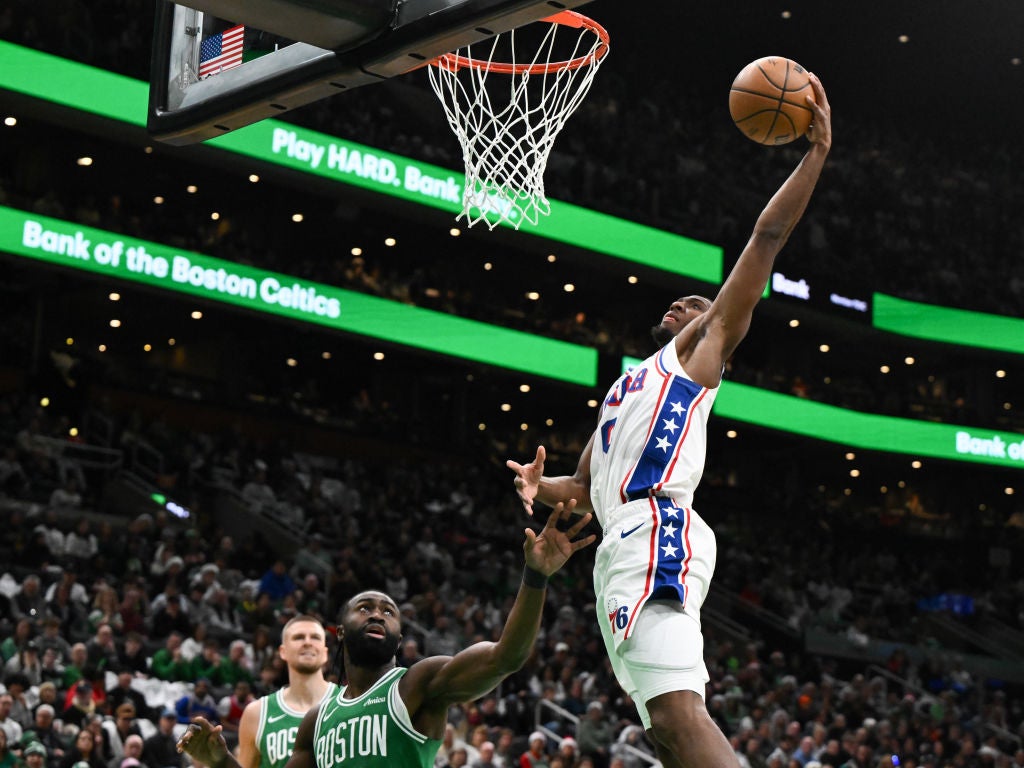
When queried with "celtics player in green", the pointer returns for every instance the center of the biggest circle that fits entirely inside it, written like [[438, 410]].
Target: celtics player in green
[[267, 729], [390, 717]]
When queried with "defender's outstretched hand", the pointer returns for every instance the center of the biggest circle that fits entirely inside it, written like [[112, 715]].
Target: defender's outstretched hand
[[203, 742], [551, 548], [528, 477]]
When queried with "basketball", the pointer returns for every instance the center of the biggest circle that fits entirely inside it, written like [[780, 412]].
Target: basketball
[[767, 101]]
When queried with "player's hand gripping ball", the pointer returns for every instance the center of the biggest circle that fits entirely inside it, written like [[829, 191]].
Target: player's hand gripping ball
[[768, 101]]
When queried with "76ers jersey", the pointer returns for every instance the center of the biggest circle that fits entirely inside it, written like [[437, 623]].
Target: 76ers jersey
[[651, 436]]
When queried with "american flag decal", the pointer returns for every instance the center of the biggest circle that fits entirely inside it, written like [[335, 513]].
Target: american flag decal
[[222, 51]]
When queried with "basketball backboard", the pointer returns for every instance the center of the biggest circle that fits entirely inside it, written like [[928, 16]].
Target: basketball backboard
[[219, 65]]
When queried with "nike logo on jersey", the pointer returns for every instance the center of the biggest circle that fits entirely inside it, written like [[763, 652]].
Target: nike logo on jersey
[[275, 719], [632, 530]]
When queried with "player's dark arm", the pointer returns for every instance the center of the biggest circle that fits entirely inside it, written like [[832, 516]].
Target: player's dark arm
[[432, 685], [730, 312], [532, 485], [302, 753]]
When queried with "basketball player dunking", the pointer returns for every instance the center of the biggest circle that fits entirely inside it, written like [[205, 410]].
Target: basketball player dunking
[[640, 470], [266, 733]]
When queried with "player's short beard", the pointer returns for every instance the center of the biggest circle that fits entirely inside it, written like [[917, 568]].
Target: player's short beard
[[661, 335], [306, 669], [364, 652]]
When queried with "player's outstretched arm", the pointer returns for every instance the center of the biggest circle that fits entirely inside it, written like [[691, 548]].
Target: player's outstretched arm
[[432, 685], [532, 485], [204, 743], [728, 319]]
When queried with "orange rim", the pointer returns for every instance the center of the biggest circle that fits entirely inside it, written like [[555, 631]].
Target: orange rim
[[453, 62]]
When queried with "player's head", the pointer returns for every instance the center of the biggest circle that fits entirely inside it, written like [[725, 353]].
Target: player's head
[[680, 313], [304, 645], [370, 629]]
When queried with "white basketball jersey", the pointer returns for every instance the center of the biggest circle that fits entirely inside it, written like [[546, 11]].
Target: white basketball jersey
[[651, 435]]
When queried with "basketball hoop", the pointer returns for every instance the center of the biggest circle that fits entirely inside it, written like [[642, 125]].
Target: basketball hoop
[[507, 132]]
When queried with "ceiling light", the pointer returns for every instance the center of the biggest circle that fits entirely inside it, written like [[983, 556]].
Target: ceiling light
[[592, 403], [102, 347], [197, 315], [731, 434], [454, 231], [524, 387], [297, 217], [1008, 491], [481, 426], [787, 14], [854, 473], [568, 287], [794, 323], [523, 427], [158, 200], [549, 422], [903, 38], [84, 161], [532, 295], [632, 279], [147, 347], [552, 258], [69, 341], [191, 189], [506, 407], [325, 355], [885, 369], [357, 251], [823, 348], [909, 360], [1000, 374], [488, 266], [254, 178], [915, 464], [389, 241], [115, 323], [291, 362], [10, 122], [378, 356], [44, 402], [215, 216], [171, 342], [73, 432]]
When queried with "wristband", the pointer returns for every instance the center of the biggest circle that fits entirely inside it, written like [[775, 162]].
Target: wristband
[[534, 578]]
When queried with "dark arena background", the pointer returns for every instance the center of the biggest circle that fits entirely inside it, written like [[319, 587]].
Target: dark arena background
[[222, 356]]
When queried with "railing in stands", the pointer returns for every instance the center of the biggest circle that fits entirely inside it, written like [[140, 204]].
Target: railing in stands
[[564, 714]]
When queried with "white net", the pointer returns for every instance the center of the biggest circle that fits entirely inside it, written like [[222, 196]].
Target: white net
[[507, 107]]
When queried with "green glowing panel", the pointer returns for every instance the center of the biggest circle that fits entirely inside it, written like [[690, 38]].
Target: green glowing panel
[[141, 261], [120, 98], [868, 431], [951, 326]]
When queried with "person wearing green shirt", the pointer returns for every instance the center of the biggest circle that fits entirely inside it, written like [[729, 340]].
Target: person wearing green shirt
[[393, 716]]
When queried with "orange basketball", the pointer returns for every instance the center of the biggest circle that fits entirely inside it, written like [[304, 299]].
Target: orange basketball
[[767, 100]]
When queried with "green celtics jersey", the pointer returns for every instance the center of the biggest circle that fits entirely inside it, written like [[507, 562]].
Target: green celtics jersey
[[275, 735], [371, 730]]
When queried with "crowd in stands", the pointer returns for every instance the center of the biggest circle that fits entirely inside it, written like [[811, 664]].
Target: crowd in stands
[[116, 630]]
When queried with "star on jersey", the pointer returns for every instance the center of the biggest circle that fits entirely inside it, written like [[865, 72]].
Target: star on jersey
[[670, 425], [663, 443], [669, 530], [669, 550], [678, 409], [671, 512]]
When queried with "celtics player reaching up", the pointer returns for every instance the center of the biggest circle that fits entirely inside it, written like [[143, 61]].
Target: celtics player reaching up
[[266, 732], [391, 717]]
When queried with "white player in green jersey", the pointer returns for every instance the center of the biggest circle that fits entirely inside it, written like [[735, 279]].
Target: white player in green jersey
[[266, 732], [390, 717]]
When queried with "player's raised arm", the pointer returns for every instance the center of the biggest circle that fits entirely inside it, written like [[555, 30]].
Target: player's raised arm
[[728, 319], [532, 485], [432, 685]]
